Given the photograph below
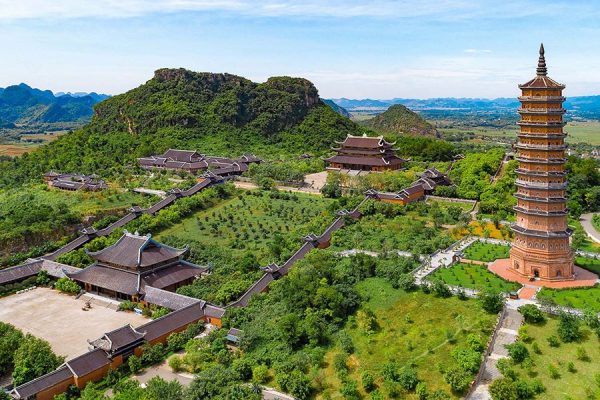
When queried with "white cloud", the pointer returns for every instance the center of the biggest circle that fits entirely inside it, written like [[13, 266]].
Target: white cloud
[[477, 51], [445, 9]]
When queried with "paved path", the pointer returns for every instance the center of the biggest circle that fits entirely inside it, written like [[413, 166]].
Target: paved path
[[506, 333], [588, 227]]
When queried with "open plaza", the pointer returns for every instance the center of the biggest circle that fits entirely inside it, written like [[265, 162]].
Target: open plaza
[[61, 320]]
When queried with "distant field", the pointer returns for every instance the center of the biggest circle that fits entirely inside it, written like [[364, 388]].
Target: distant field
[[578, 132], [15, 148]]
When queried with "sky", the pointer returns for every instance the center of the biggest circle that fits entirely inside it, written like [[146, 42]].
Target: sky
[[348, 48]]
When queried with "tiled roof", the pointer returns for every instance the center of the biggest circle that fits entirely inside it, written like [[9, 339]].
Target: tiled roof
[[172, 321], [109, 278], [170, 300], [173, 274], [42, 383], [88, 362], [117, 339], [19, 272], [136, 251], [365, 141]]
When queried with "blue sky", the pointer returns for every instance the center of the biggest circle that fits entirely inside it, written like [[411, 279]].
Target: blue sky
[[348, 48]]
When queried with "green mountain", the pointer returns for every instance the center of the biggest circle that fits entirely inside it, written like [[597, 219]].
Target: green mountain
[[338, 109], [214, 113], [400, 120], [24, 105]]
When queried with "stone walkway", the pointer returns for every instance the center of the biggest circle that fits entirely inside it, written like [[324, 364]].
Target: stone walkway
[[506, 333], [588, 227]]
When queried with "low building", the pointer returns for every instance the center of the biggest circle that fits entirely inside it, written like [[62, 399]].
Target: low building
[[364, 153], [113, 350], [410, 194], [193, 162], [125, 269], [74, 181]]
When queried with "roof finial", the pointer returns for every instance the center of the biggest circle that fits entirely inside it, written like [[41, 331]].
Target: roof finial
[[541, 68]]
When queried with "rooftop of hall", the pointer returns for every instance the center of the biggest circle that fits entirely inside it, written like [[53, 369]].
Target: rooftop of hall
[[137, 251], [364, 141]]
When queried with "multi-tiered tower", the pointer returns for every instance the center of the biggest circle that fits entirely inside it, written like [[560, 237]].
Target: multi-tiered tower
[[541, 244]]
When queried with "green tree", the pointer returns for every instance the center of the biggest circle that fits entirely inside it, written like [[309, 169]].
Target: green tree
[[458, 379], [568, 327], [491, 301], [33, 358]]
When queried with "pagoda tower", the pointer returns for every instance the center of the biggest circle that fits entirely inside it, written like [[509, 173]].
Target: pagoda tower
[[541, 245]]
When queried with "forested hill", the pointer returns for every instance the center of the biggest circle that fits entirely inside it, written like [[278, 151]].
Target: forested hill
[[214, 113], [24, 105], [400, 120]]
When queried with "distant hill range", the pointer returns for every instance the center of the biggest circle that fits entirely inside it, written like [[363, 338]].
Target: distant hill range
[[24, 105], [585, 107], [215, 113], [400, 120]]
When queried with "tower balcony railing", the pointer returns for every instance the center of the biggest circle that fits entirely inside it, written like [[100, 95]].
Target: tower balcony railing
[[552, 124], [544, 135], [528, 172], [527, 146], [542, 213], [540, 185], [543, 234], [541, 160], [543, 99], [525, 110], [524, 197]]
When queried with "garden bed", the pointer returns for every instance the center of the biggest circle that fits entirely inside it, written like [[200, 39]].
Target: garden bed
[[473, 276]]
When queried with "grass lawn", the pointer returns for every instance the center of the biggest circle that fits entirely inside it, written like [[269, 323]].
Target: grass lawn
[[481, 251], [581, 298], [591, 264], [473, 277], [587, 244], [252, 220], [570, 385], [413, 328]]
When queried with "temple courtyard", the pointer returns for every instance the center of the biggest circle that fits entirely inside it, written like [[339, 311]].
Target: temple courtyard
[[60, 319]]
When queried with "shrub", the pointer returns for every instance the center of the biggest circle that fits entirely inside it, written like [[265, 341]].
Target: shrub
[[491, 301], [368, 382], [127, 305], [152, 354], [339, 362], [458, 379], [440, 289], [553, 341], [67, 285], [475, 343], [503, 389], [582, 355], [260, 374], [532, 314], [345, 341], [349, 390], [568, 327], [553, 371], [135, 364], [517, 351], [408, 378], [467, 359], [407, 282], [571, 367], [243, 368], [175, 363], [536, 348], [421, 391]]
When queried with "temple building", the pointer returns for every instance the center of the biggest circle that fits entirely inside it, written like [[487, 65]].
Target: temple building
[[364, 153], [193, 162], [134, 264], [541, 244], [74, 181]]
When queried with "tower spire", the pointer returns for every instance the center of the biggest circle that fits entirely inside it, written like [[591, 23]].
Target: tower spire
[[541, 68]]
